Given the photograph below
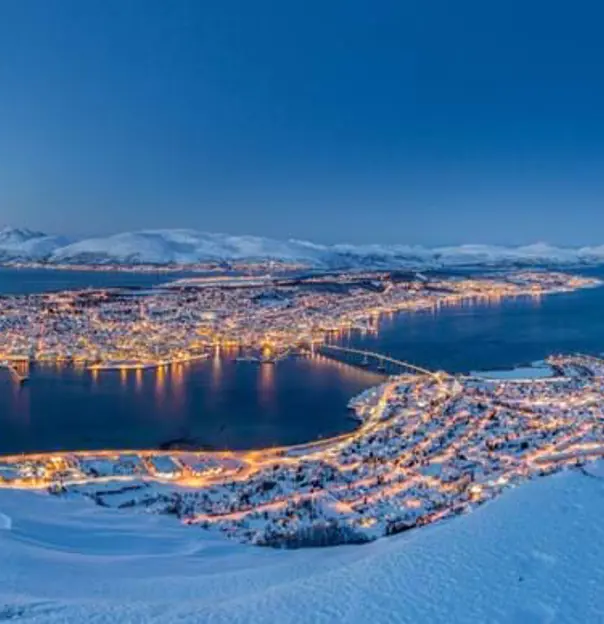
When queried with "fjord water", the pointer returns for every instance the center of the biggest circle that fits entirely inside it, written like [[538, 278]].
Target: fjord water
[[220, 403], [494, 334], [214, 404], [29, 281]]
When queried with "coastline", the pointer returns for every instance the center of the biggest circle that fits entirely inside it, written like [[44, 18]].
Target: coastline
[[394, 472], [180, 480]]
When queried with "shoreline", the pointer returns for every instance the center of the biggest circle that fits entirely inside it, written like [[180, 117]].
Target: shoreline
[[428, 446], [181, 480], [141, 353]]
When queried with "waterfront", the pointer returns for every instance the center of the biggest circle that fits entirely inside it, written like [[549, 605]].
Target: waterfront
[[214, 404], [220, 404], [429, 446], [490, 335], [261, 448]]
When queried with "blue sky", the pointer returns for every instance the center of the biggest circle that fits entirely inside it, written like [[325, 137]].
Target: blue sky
[[414, 122]]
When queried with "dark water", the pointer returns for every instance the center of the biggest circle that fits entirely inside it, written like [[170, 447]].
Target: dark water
[[216, 404], [224, 404], [27, 281], [494, 335]]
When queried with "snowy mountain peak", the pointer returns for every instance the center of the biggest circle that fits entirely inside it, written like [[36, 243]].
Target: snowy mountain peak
[[8, 233], [25, 244], [186, 246]]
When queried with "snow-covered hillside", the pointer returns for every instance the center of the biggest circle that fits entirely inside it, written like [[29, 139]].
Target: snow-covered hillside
[[191, 246], [23, 244], [184, 247], [535, 555]]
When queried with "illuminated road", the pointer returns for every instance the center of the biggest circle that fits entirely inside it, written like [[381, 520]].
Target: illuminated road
[[429, 444], [105, 329]]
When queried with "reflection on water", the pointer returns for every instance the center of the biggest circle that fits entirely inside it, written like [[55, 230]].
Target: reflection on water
[[221, 403], [138, 379], [352, 372], [266, 384], [218, 403], [492, 333], [176, 386], [216, 367], [160, 384]]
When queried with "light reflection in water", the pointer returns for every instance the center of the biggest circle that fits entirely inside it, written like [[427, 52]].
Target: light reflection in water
[[160, 384], [138, 379], [216, 368], [177, 380], [349, 372], [79, 367], [266, 385]]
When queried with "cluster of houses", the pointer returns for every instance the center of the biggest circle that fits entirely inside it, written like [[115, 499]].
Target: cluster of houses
[[130, 329], [428, 446]]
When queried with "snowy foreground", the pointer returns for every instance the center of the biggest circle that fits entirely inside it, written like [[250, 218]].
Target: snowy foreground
[[533, 555]]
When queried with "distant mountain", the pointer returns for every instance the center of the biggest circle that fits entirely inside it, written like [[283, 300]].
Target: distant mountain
[[24, 244], [190, 246], [183, 247]]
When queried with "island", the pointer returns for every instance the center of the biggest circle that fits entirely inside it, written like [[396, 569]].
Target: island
[[429, 444], [266, 315]]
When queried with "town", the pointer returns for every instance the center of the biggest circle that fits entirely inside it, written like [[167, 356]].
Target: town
[[268, 315], [429, 446]]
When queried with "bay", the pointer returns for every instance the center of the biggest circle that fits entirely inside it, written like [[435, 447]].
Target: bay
[[221, 403]]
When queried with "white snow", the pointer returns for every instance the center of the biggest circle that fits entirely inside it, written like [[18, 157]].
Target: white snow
[[25, 244], [537, 370], [6, 523], [533, 555], [182, 246]]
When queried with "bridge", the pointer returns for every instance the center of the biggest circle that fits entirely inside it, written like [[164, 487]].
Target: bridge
[[382, 360]]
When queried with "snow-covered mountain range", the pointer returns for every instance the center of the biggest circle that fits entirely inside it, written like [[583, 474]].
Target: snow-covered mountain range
[[180, 246], [18, 243]]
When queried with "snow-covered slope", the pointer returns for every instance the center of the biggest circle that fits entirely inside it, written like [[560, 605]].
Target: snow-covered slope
[[23, 244], [535, 555], [184, 247], [190, 246]]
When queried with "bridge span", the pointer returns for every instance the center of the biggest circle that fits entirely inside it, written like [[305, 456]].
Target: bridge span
[[331, 350]]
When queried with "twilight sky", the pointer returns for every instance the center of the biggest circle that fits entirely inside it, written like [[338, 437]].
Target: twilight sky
[[378, 121]]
